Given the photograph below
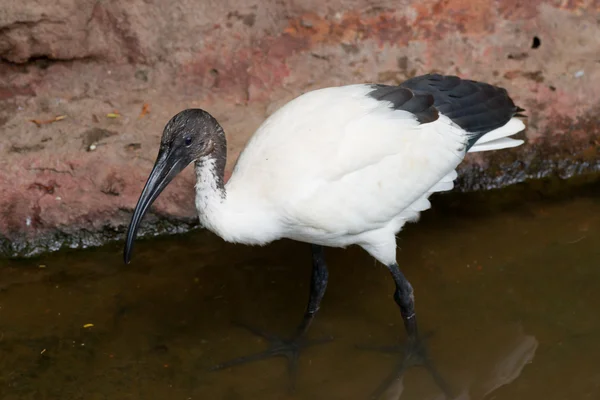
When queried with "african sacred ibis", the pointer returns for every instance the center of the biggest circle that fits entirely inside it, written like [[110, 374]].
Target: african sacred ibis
[[335, 167]]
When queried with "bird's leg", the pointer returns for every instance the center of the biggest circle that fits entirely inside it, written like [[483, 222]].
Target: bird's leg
[[290, 348], [415, 351], [318, 285]]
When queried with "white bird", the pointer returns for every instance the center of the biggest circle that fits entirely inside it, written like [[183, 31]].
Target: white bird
[[336, 167]]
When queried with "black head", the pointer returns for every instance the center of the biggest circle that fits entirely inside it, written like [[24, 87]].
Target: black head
[[189, 136]]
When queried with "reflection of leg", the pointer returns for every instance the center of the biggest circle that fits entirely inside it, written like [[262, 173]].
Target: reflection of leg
[[290, 348]]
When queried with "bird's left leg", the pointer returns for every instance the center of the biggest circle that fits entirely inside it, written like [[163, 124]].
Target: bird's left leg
[[290, 348], [415, 351]]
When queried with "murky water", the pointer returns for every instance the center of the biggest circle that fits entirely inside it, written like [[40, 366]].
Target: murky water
[[511, 300]]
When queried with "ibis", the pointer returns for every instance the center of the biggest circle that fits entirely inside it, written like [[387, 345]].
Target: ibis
[[335, 167]]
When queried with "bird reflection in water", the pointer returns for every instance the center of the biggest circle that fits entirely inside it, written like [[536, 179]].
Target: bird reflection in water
[[507, 356]]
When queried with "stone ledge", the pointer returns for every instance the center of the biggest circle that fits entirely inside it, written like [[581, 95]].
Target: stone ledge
[[74, 182]]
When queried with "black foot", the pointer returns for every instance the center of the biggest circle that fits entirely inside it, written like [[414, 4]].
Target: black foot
[[414, 354], [278, 347]]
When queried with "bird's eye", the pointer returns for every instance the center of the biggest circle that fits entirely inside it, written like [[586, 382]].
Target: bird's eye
[[188, 140]]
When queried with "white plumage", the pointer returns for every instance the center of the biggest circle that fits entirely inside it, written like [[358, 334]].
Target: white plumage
[[336, 167]]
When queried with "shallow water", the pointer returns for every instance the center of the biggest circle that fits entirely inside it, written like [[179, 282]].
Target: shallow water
[[510, 299]]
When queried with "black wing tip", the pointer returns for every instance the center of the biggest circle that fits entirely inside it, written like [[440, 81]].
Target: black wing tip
[[419, 104], [433, 80], [477, 107]]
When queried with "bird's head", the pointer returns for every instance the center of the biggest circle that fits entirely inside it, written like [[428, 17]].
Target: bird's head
[[189, 136]]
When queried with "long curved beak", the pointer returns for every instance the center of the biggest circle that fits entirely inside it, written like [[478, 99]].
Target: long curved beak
[[165, 169]]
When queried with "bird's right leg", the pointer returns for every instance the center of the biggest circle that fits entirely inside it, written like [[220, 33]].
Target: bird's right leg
[[415, 351], [290, 348]]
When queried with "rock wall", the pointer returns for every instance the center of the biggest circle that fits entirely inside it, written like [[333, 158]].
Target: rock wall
[[86, 87]]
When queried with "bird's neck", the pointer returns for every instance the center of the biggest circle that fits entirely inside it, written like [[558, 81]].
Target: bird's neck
[[223, 211], [210, 169], [210, 185], [210, 174]]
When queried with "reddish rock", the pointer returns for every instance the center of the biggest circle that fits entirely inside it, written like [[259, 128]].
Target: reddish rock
[[75, 181]]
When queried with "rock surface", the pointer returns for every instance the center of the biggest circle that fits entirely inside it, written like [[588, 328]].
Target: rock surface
[[97, 64]]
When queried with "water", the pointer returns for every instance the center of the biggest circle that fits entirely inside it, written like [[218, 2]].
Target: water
[[510, 298]]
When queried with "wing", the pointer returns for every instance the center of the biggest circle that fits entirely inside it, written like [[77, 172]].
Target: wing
[[386, 166], [351, 159], [477, 107]]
